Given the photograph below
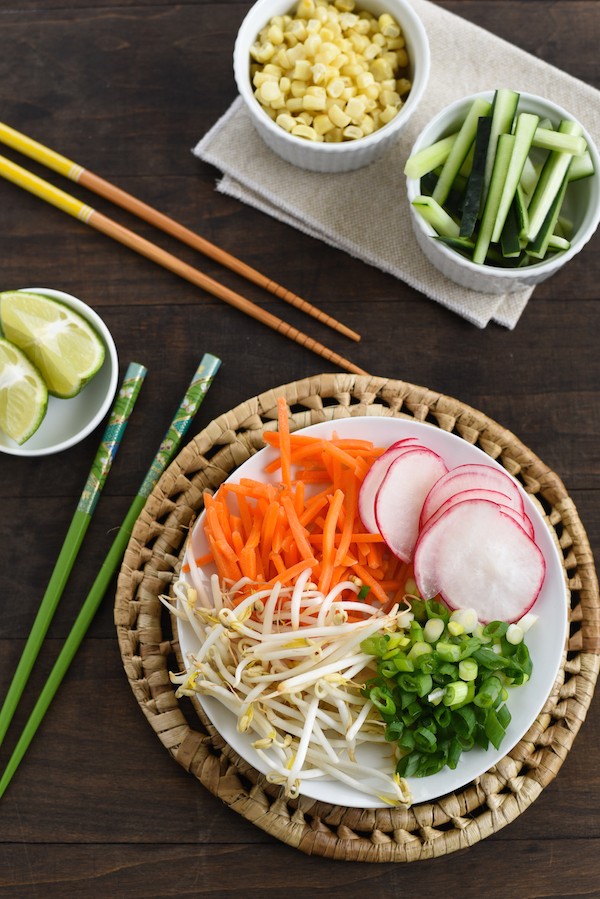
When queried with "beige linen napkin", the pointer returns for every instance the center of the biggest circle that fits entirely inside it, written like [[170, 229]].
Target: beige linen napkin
[[366, 212]]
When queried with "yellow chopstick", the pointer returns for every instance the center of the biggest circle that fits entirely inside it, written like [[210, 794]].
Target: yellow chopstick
[[89, 216], [75, 172]]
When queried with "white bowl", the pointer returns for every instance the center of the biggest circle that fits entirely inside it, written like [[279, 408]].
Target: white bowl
[[581, 205], [331, 157], [68, 421]]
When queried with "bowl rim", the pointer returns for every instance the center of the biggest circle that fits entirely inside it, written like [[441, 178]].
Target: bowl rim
[[420, 75], [111, 358], [432, 132]]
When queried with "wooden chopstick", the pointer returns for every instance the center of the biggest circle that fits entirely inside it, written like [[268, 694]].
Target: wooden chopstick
[[75, 172], [89, 216]]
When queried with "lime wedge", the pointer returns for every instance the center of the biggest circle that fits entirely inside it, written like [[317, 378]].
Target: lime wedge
[[57, 340], [23, 394]]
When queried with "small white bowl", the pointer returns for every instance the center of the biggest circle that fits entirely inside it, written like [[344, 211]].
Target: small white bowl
[[68, 421], [581, 205], [331, 157]]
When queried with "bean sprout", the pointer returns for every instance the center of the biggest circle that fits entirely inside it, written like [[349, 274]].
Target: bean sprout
[[287, 663]]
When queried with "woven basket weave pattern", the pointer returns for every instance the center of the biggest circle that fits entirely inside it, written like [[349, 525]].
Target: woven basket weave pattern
[[149, 647]]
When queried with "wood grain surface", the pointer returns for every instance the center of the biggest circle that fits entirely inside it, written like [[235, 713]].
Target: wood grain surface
[[126, 88]]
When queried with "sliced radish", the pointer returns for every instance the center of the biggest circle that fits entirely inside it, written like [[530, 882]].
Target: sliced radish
[[373, 479], [477, 556], [400, 497], [467, 477]]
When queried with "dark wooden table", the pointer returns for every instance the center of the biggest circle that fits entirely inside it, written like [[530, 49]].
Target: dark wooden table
[[98, 808]]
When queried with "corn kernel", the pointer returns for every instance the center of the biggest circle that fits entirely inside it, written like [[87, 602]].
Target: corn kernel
[[390, 98], [304, 118], [305, 9], [285, 121], [367, 126], [388, 114], [275, 34], [335, 87], [381, 69], [345, 5], [322, 124], [294, 104], [269, 91], [388, 25], [312, 103], [353, 132], [301, 70], [305, 131], [339, 118], [356, 110]]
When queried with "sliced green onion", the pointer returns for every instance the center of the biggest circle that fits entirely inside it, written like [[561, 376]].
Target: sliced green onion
[[455, 692], [468, 669], [449, 652], [433, 629]]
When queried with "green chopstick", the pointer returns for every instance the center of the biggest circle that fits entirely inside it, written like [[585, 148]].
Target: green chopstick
[[107, 450], [195, 393]]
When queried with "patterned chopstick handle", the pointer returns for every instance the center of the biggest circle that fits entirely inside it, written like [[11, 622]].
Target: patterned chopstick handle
[[122, 409], [203, 378]]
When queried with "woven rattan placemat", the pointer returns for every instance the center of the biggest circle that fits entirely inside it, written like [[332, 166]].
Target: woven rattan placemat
[[149, 648]]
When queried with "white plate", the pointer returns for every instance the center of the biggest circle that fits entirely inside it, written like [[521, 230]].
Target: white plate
[[546, 640]]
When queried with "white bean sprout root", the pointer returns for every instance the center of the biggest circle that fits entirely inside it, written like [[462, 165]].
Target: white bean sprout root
[[287, 663]]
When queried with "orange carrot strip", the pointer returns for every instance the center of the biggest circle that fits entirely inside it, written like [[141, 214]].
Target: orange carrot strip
[[267, 531], [278, 562], [343, 457], [371, 582], [293, 571], [248, 562], [310, 476], [254, 535], [227, 568], [350, 513], [330, 525], [237, 541], [245, 515], [300, 534], [205, 559], [297, 455], [215, 531], [299, 498], [284, 430], [313, 507]]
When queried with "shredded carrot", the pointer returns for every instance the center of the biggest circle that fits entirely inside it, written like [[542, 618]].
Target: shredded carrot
[[268, 532], [284, 434]]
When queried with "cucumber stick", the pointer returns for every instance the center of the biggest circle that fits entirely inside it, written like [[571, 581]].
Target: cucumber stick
[[504, 149], [581, 167], [436, 216], [538, 247], [548, 139], [474, 189], [460, 149], [429, 158], [550, 181], [525, 130], [504, 111]]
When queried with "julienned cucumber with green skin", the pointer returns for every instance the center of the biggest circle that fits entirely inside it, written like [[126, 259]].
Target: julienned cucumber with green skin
[[494, 190]]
